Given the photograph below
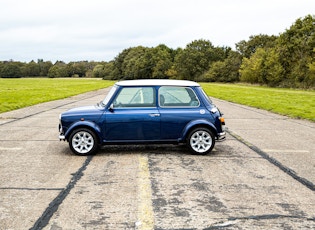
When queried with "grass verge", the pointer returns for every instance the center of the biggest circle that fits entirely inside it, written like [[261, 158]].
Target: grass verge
[[23, 92], [289, 102]]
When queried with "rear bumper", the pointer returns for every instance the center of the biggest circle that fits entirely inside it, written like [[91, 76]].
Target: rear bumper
[[221, 136]]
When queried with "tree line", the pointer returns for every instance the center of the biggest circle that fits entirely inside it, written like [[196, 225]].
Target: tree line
[[286, 60]]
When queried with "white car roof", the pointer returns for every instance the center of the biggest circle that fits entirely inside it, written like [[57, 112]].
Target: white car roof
[[152, 82]]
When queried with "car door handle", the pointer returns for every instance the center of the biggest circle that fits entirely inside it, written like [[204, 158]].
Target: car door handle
[[154, 114]]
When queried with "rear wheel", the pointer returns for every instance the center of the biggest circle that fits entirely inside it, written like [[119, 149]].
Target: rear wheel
[[83, 142], [201, 141]]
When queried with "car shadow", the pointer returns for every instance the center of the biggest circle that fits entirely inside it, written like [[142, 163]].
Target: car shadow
[[145, 149], [158, 149], [180, 149]]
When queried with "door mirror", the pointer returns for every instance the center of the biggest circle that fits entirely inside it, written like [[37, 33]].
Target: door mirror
[[111, 108]]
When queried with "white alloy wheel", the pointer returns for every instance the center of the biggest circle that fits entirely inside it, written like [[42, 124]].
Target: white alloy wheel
[[83, 142], [201, 141]]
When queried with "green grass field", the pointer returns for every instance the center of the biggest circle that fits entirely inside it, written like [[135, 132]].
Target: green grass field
[[19, 93], [23, 92], [289, 102]]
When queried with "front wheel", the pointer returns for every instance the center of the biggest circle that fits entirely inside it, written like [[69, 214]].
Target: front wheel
[[201, 141], [83, 142]]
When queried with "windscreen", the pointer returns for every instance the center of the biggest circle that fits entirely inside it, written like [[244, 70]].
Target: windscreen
[[109, 95]]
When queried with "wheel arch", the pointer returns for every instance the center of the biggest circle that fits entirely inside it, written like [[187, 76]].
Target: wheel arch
[[198, 124], [87, 125]]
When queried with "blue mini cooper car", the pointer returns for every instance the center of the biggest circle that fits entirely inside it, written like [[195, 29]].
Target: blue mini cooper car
[[145, 112]]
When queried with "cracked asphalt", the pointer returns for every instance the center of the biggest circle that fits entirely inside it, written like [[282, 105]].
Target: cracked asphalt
[[261, 177]]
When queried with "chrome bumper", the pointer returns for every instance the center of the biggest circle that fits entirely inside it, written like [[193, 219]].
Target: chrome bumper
[[221, 136], [62, 137]]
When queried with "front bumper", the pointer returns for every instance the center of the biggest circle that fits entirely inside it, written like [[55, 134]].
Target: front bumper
[[62, 137]]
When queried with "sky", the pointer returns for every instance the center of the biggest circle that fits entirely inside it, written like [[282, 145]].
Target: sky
[[98, 30]]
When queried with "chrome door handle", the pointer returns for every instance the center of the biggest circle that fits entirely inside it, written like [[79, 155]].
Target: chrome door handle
[[154, 114]]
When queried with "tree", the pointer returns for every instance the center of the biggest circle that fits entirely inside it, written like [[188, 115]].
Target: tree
[[77, 69], [58, 70], [262, 67], [288, 62], [310, 79], [98, 71], [225, 71], [44, 67], [108, 70], [32, 69], [11, 70], [295, 47], [118, 69], [134, 64], [142, 62], [195, 59], [215, 72], [158, 60], [251, 69], [248, 48]]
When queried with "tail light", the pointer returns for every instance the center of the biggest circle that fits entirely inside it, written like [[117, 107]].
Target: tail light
[[222, 120]]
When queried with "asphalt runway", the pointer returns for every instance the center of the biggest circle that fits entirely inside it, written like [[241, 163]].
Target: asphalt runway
[[261, 177]]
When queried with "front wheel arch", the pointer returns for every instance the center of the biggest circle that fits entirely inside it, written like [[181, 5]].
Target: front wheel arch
[[84, 124]]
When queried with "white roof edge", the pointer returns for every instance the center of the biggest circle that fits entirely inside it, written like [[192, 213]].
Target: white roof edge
[[152, 82]]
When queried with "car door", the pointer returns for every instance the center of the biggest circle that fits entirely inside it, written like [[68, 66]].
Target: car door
[[133, 116], [178, 106]]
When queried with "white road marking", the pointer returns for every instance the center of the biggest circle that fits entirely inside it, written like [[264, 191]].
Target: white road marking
[[10, 149], [285, 151]]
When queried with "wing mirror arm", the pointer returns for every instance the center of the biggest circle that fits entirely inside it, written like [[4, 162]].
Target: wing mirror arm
[[111, 108]]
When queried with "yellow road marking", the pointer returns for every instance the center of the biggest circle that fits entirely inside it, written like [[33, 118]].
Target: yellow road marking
[[145, 209]]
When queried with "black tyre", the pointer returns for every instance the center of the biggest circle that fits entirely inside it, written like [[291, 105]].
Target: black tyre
[[83, 142], [200, 141]]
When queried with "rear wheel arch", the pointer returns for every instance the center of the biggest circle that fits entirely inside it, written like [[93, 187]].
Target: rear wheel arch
[[206, 126]]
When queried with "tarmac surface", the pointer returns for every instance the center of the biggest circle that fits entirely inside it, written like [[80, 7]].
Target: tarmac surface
[[261, 177]]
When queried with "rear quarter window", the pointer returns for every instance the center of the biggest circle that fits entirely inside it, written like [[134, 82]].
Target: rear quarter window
[[172, 96]]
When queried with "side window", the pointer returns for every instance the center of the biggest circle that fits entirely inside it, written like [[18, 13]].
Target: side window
[[135, 97], [177, 97]]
